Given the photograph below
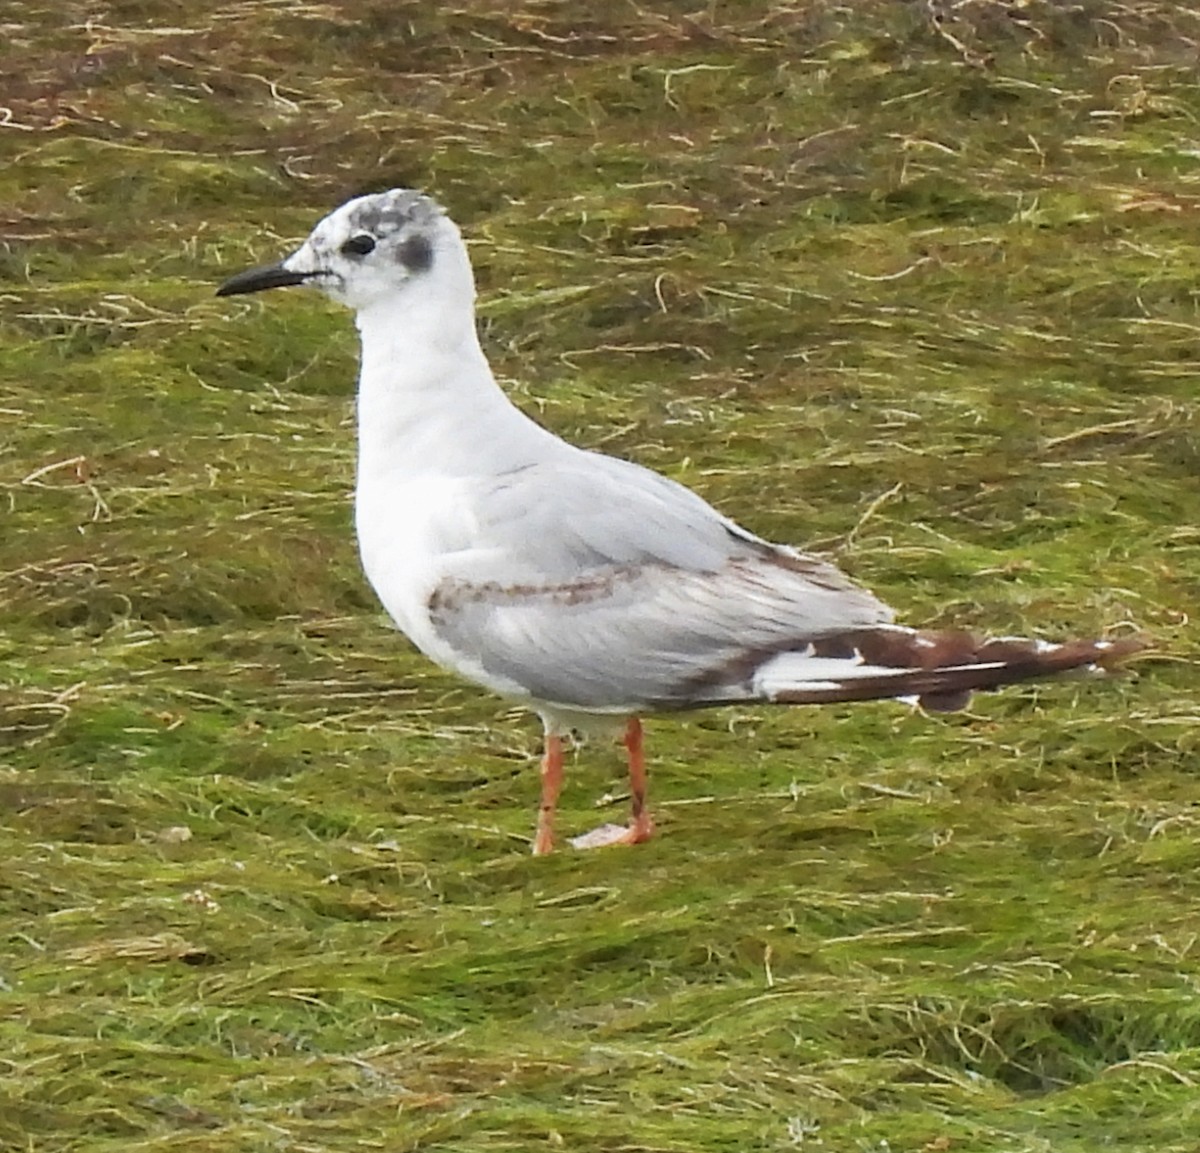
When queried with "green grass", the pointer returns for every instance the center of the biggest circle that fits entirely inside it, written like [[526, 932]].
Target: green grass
[[917, 292]]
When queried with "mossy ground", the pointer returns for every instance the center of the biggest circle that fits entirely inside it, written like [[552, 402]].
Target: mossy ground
[[911, 283]]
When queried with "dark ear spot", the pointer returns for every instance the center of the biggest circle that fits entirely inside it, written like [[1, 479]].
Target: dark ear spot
[[416, 253]]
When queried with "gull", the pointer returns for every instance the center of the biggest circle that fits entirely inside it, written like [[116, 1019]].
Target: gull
[[587, 588]]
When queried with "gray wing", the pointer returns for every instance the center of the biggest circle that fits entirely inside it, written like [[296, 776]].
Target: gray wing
[[597, 584]]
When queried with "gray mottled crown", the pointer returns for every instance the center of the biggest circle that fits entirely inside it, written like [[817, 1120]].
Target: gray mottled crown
[[388, 212]]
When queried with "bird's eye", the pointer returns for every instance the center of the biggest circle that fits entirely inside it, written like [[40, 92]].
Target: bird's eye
[[358, 245]]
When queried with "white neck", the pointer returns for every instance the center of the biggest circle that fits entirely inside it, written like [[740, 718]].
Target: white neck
[[427, 399]]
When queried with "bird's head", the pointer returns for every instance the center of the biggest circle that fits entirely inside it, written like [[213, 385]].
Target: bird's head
[[371, 249]]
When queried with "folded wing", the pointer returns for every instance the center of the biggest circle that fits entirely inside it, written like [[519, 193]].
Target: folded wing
[[625, 591]]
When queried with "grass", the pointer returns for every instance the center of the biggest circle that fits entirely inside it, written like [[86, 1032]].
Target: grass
[[912, 284]]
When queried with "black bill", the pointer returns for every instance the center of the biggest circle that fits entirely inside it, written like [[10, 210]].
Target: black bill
[[257, 279]]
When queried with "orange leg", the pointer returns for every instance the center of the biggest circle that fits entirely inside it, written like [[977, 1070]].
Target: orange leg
[[640, 827], [552, 778]]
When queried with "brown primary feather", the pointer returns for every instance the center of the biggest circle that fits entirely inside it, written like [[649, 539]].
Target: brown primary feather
[[946, 667]]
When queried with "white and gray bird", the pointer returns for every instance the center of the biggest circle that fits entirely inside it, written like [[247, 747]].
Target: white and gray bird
[[587, 588]]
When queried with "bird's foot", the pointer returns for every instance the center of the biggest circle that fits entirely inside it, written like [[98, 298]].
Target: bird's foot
[[641, 829]]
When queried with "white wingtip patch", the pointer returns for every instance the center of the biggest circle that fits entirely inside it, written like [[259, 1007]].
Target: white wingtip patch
[[797, 673], [1040, 647]]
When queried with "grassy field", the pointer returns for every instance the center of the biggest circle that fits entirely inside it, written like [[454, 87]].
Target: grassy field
[[914, 284]]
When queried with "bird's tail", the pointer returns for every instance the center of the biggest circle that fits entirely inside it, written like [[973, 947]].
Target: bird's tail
[[939, 669]]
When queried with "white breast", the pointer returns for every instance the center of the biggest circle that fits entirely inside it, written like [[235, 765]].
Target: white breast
[[405, 530], [412, 535]]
